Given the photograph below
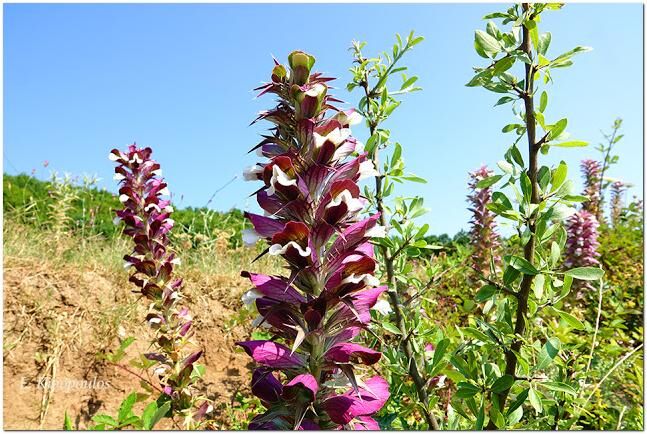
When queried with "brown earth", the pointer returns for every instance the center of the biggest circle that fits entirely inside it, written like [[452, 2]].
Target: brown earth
[[60, 317]]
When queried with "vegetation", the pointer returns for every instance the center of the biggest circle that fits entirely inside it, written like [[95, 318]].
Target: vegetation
[[358, 317]]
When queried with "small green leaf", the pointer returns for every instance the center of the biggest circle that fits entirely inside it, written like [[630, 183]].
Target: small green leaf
[[67, 423], [535, 401], [521, 264], [104, 419], [571, 320], [485, 293], [391, 328], [559, 387], [502, 383], [571, 144], [466, 390], [586, 273], [126, 406], [487, 43], [558, 128], [543, 101], [489, 181]]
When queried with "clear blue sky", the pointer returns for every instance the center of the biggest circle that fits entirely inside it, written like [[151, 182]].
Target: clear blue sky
[[81, 79]]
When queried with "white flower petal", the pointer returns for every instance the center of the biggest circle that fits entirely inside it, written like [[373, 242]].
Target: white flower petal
[[250, 237], [377, 231], [251, 173], [277, 249], [367, 170], [383, 307], [249, 297]]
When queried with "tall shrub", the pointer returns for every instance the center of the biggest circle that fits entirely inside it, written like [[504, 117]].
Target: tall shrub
[[507, 364]]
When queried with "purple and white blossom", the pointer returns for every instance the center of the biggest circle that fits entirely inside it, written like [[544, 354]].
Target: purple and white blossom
[[147, 217], [483, 234], [309, 374]]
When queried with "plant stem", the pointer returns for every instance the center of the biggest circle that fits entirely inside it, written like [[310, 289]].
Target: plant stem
[[529, 248], [414, 371], [605, 166], [597, 327]]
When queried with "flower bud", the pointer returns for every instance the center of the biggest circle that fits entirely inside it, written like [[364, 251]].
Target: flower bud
[[300, 63], [309, 102]]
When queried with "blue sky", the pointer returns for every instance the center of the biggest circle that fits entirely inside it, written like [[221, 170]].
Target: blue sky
[[81, 79]]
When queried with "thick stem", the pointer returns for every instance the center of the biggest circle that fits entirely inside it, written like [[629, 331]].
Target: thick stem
[[529, 248], [414, 371]]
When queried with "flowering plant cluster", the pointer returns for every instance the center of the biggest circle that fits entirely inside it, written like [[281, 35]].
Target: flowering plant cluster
[[307, 376], [591, 172], [148, 220], [582, 241], [617, 190], [483, 235]]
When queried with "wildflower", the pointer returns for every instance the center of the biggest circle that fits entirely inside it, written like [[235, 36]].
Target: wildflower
[[147, 217], [617, 190], [582, 240], [591, 171], [309, 374], [483, 235]]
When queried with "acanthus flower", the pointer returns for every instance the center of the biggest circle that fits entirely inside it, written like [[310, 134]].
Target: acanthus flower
[[147, 217], [483, 234], [617, 190], [591, 172], [308, 375]]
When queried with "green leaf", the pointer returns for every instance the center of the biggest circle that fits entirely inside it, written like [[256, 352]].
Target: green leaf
[[502, 383], [126, 406], [497, 418], [67, 423], [526, 186], [105, 419], [544, 43], [538, 286], [485, 293], [157, 415], [504, 100], [558, 129], [489, 181], [476, 333], [585, 273], [391, 328], [571, 144], [571, 320], [487, 43], [543, 101], [439, 352], [559, 387], [521, 398], [466, 390], [548, 353], [559, 175], [520, 264], [510, 127], [535, 401]]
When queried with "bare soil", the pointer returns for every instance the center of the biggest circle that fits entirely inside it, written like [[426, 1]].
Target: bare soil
[[58, 320]]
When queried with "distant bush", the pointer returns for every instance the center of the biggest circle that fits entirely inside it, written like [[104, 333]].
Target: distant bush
[[92, 210]]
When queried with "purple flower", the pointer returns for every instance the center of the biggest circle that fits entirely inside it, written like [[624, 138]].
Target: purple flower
[[312, 203], [582, 240], [591, 171], [147, 217], [617, 190], [483, 235]]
